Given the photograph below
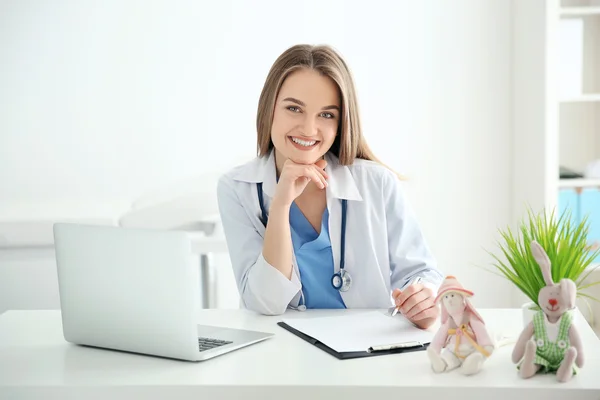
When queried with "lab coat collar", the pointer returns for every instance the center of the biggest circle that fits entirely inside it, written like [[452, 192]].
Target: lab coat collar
[[262, 169]]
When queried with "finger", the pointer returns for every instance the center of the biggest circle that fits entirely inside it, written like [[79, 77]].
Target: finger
[[321, 177], [395, 293], [417, 302], [422, 293], [305, 180], [316, 177], [322, 172], [321, 163], [407, 293], [412, 302], [424, 304], [431, 312]]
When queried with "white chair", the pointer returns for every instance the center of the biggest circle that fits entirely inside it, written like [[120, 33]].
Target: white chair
[[190, 206]]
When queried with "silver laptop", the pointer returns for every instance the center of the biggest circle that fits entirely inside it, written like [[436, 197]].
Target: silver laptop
[[136, 290]]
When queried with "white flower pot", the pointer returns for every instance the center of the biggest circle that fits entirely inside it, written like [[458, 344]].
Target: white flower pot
[[528, 312], [530, 309]]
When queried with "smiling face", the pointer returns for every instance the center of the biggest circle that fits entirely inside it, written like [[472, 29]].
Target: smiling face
[[551, 300], [306, 117]]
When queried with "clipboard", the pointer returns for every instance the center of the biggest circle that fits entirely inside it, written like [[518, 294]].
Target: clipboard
[[373, 351]]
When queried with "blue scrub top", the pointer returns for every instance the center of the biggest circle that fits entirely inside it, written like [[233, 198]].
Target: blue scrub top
[[315, 261]]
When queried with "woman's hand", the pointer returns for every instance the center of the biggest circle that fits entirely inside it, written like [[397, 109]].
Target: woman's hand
[[416, 304], [295, 177]]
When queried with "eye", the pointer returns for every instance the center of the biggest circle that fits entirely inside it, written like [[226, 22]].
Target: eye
[[327, 115], [293, 109], [452, 295]]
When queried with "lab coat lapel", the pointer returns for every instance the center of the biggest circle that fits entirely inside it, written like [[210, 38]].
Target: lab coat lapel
[[269, 175], [341, 182], [261, 169]]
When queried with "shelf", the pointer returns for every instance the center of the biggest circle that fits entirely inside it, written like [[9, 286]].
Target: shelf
[[578, 183], [584, 98], [595, 268], [579, 11]]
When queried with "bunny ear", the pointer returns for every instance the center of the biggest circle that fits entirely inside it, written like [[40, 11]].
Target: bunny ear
[[444, 313], [568, 291], [542, 259]]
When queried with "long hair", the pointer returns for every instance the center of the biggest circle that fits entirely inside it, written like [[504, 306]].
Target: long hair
[[349, 143]]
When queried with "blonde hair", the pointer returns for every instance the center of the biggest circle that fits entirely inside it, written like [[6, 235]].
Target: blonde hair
[[349, 143]]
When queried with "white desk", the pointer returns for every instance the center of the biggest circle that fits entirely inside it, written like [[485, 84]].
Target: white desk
[[36, 363]]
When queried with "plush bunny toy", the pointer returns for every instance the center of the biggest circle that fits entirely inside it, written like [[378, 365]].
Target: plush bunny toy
[[462, 334], [550, 342]]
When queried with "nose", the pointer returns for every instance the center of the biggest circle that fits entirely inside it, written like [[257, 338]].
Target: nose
[[552, 302], [310, 127]]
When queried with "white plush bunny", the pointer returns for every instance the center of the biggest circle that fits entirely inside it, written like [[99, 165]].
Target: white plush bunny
[[550, 342], [462, 339]]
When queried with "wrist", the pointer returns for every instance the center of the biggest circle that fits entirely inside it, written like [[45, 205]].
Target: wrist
[[279, 206]]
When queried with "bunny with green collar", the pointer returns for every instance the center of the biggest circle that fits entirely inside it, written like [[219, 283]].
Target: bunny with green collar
[[550, 342]]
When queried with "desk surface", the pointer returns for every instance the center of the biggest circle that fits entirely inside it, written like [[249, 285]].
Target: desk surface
[[36, 362]]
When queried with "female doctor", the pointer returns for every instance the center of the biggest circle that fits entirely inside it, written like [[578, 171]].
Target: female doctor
[[315, 221]]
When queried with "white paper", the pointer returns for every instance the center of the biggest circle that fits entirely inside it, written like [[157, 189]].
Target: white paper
[[358, 332]]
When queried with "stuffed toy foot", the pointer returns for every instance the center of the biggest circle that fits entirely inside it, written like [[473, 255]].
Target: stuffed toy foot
[[528, 367], [565, 371], [472, 364], [437, 362], [450, 359]]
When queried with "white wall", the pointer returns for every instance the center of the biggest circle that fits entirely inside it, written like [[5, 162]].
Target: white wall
[[103, 101]]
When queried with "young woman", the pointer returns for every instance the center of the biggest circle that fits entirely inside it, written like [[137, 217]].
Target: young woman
[[316, 221]]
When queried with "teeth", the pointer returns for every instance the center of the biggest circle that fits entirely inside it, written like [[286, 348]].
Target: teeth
[[303, 142]]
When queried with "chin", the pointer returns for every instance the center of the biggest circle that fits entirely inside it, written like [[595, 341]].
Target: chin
[[305, 158]]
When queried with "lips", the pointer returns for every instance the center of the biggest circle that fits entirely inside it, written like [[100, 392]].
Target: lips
[[554, 308]]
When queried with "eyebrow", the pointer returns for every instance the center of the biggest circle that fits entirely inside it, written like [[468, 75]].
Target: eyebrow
[[301, 103]]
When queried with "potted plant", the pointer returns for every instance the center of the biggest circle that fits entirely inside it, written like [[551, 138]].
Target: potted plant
[[566, 243]]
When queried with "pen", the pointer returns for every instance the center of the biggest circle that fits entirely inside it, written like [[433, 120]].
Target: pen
[[394, 346], [412, 282]]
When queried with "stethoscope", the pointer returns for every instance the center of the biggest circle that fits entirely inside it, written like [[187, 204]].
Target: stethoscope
[[340, 280]]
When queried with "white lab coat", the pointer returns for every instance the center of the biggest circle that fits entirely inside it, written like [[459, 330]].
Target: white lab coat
[[384, 244]]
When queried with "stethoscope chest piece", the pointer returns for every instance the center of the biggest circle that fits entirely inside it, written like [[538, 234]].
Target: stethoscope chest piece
[[341, 280]]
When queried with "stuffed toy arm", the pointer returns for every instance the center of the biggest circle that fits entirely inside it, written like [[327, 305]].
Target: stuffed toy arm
[[439, 340], [575, 340], [481, 333], [482, 336], [519, 349]]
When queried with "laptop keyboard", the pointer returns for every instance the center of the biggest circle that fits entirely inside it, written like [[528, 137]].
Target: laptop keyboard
[[209, 343]]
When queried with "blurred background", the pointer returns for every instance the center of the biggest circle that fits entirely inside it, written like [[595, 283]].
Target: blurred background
[[126, 113]]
